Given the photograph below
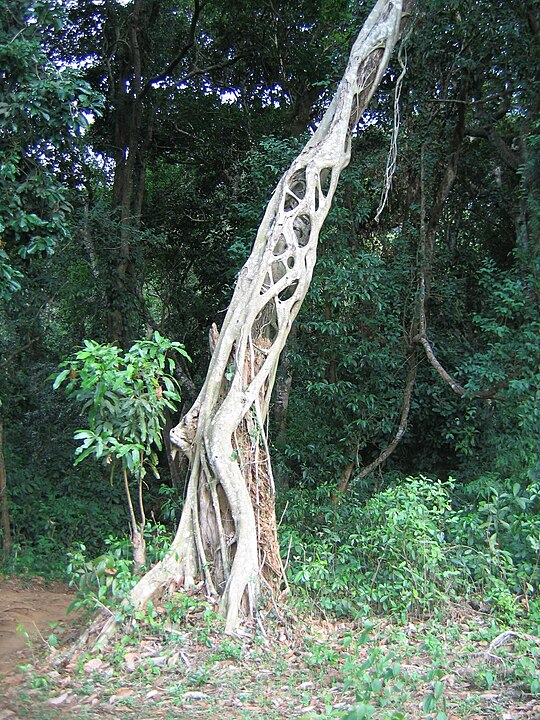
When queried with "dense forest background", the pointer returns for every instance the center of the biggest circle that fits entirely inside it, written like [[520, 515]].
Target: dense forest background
[[139, 143]]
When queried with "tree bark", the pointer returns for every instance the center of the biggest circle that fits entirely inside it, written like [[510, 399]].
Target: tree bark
[[132, 131], [227, 534], [128, 183], [6, 526]]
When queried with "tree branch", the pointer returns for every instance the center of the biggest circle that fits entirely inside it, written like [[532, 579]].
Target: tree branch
[[452, 382], [445, 186], [427, 240], [402, 427], [180, 55], [19, 350], [456, 387], [510, 157]]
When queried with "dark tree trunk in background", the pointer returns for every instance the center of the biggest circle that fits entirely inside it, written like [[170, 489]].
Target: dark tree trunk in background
[[131, 81], [6, 526], [131, 135]]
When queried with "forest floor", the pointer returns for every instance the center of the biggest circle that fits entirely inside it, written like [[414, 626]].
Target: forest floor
[[460, 665]]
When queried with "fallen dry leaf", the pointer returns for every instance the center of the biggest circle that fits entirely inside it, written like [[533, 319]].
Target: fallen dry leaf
[[130, 659], [59, 699], [121, 693], [93, 665], [194, 695]]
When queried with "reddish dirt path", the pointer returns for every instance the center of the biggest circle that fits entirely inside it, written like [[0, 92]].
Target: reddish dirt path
[[34, 605]]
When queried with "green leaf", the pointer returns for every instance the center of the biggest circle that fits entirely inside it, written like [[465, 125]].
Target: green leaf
[[438, 689], [83, 435], [429, 704], [60, 378], [83, 454]]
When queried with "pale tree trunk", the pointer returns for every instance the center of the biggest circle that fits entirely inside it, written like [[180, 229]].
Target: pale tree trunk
[[227, 535]]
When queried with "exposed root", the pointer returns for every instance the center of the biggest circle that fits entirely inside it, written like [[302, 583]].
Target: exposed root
[[506, 637]]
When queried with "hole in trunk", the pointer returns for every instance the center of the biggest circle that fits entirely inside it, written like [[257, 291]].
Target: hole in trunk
[[278, 270], [325, 179], [354, 112], [280, 246], [288, 292], [290, 202], [266, 284], [265, 324], [302, 229], [297, 184]]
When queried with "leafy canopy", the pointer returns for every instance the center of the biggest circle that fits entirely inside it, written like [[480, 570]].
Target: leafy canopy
[[43, 110]]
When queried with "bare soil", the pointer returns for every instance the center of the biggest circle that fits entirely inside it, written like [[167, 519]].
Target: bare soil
[[30, 610]]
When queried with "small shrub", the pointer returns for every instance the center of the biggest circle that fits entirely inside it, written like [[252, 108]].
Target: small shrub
[[107, 580], [390, 553], [404, 545], [496, 528]]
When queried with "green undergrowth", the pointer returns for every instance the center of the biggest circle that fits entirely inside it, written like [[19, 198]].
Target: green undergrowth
[[415, 545]]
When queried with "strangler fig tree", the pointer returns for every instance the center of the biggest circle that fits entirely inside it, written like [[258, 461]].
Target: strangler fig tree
[[227, 536]]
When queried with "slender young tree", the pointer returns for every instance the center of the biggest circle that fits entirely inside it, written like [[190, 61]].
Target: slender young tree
[[227, 534]]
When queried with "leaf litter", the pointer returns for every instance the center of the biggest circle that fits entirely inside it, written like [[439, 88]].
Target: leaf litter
[[314, 668]]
